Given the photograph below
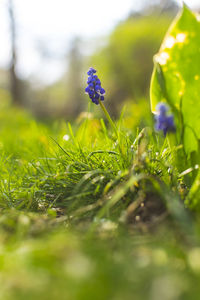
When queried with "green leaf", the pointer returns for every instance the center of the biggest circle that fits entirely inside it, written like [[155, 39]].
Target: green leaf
[[176, 77]]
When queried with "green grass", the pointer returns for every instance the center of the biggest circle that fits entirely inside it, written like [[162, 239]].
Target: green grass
[[87, 219]]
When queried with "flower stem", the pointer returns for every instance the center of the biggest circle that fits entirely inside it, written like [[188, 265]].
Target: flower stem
[[109, 118]]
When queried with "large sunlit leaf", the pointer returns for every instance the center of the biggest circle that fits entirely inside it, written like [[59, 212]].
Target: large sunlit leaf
[[176, 77]]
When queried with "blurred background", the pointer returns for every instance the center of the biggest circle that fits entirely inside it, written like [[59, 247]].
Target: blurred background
[[47, 47]]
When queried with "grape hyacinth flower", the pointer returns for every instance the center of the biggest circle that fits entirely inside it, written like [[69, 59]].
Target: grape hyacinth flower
[[94, 89], [96, 94], [164, 122]]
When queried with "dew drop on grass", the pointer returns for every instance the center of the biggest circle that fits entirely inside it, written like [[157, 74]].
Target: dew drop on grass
[[66, 137]]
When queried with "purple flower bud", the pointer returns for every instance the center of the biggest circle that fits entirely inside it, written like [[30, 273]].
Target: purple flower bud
[[102, 91], [90, 79], [97, 88], [91, 93], [91, 71], [97, 96], [98, 81], [87, 90]]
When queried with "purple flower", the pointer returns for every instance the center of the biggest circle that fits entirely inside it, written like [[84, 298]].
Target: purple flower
[[91, 71], [94, 90], [164, 122]]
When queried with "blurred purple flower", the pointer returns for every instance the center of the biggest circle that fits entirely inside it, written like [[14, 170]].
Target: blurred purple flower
[[164, 122]]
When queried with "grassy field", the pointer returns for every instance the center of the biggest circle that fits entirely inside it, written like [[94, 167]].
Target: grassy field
[[88, 216]]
